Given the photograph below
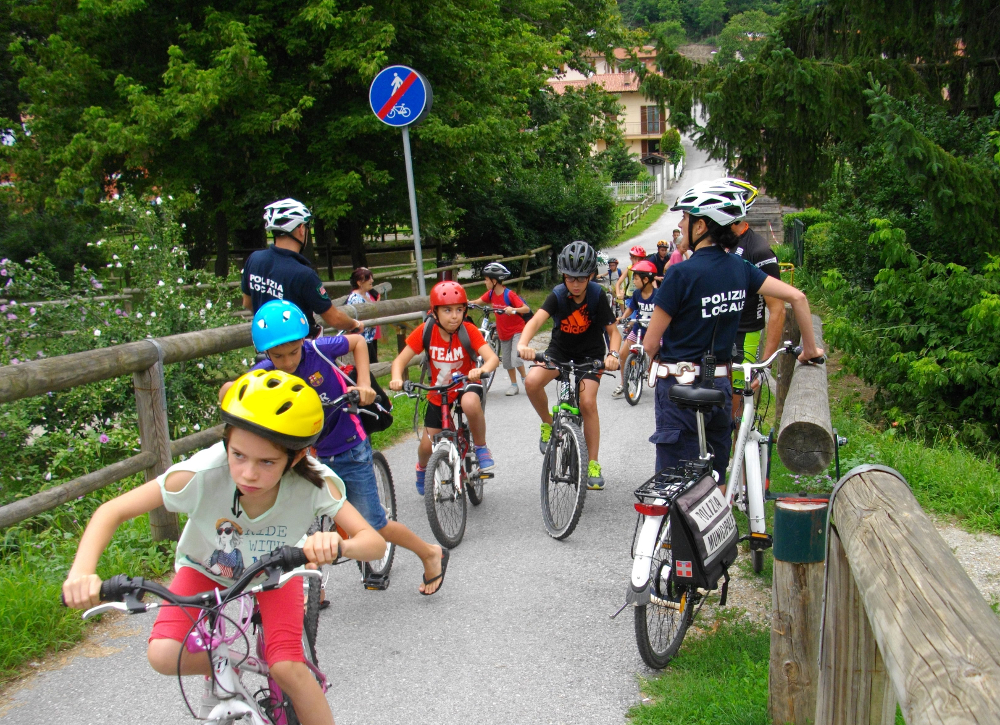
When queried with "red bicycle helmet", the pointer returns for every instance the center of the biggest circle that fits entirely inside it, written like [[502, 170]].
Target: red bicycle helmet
[[448, 293], [644, 267], [637, 251]]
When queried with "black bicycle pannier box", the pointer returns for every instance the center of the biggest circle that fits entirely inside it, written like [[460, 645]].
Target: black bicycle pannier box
[[704, 535]]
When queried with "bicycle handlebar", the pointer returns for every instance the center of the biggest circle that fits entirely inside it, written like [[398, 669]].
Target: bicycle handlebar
[[787, 349], [409, 386], [353, 398], [285, 559], [552, 364]]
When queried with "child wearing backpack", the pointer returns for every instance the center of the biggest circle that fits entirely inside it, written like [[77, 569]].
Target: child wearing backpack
[[452, 345], [582, 315], [279, 331], [510, 316]]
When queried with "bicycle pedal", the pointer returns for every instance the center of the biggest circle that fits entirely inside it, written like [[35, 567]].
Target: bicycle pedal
[[759, 542], [375, 583], [485, 476]]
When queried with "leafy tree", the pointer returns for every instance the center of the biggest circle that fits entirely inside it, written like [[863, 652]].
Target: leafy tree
[[231, 106], [619, 164], [744, 36], [671, 146], [711, 15]]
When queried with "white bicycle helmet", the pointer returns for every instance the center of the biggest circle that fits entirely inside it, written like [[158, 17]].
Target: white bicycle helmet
[[282, 217], [730, 185], [724, 205], [496, 271]]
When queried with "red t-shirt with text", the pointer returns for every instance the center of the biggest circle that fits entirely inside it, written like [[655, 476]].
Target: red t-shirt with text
[[446, 356], [507, 325]]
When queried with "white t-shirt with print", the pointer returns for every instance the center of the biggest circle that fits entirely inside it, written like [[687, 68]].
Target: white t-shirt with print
[[221, 545]]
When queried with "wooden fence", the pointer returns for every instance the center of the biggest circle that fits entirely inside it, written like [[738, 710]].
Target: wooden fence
[[634, 214]]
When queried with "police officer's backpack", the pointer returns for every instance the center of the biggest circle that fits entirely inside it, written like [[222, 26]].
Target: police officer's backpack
[[704, 536]]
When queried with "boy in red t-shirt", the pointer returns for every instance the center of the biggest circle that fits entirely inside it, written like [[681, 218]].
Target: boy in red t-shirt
[[509, 308], [447, 356]]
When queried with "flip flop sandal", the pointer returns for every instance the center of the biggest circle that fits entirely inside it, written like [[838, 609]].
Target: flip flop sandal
[[445, 555]]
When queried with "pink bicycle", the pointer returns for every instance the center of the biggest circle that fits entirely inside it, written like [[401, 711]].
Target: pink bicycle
[[228, 628]]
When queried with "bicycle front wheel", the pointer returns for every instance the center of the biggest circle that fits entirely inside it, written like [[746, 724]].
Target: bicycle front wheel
[[387, 496], [564, 479], [444, 499], [420, 404], [632, 377], [660, 626]]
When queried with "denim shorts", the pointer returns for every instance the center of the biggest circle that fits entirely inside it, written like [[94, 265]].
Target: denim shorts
[[676, 435], [354, 466]]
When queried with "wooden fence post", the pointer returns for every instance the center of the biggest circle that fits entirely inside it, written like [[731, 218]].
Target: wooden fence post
[[785, 364], [154, 432], [854, 688], [805, 438], [796, 610]]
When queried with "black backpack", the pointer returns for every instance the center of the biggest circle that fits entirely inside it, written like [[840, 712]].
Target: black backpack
[[594, 294], [705, 536]]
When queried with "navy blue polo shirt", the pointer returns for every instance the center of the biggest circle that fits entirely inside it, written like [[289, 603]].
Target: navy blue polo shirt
[[705, 295], [281, 274]]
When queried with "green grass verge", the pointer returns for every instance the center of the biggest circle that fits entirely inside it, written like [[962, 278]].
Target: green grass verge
[[718, 678], [643, 223]]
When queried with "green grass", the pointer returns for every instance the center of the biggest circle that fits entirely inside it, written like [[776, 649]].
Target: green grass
[[719, 678], [643, 223]]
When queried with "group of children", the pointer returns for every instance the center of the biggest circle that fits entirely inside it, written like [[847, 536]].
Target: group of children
[[261, 477]]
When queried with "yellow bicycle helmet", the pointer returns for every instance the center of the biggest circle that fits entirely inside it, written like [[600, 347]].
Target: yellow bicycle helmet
[[276, 406]]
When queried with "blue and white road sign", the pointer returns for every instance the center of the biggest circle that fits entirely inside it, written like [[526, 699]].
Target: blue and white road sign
[[400, 96]]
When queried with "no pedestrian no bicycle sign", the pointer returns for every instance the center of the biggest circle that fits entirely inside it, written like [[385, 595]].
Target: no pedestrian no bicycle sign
[[400, 96]]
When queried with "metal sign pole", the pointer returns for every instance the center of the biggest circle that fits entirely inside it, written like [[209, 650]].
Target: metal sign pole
[[417, 251]]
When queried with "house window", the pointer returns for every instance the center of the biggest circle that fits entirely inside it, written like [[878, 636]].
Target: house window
[[650, 146], [650, 120]]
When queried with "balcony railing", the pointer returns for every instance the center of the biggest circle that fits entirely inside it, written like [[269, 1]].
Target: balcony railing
[[651, 128]]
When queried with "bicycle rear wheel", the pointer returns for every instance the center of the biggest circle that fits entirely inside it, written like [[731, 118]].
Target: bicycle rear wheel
[[444, 499], [474, 485], [564, 479], [387, 496], [632, 378], [660, 626]]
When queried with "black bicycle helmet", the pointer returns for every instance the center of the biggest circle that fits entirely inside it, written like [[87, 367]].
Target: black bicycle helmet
[[577, 259], [496, 271]]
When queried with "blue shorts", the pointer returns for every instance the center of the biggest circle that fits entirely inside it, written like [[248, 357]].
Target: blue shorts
[[676, 435], [354, 466]]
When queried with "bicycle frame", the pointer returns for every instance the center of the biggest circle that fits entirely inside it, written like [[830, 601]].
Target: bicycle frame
[[456, 438], [751, 448]]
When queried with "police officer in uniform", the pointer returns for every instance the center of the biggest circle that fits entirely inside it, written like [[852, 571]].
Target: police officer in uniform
[[698, 309]]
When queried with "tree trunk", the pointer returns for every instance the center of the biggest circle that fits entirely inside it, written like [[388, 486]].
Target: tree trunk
[[221, 235], [350, 232]]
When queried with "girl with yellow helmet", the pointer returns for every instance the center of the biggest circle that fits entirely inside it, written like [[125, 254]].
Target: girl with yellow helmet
[[254, 491]]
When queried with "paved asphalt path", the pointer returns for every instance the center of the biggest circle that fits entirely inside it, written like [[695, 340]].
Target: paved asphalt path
[[519, 633]]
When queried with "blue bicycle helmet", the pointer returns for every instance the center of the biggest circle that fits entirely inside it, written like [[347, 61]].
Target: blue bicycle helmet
[[276, 323]]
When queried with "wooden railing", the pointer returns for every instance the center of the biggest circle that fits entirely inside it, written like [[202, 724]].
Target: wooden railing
[[902, 622], [634, 214]]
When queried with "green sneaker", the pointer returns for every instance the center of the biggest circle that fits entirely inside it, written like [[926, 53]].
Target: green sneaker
[[543, 443], [596, 482]]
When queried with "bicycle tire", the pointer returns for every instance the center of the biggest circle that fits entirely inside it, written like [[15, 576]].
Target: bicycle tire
[[673, 609], [446, 509], [387, 496], [309, 630], [475, 487], [493, 340], [757, 560], [632, 377], [564, 479]]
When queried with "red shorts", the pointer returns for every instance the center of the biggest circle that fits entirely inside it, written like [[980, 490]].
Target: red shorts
[[281, 612]]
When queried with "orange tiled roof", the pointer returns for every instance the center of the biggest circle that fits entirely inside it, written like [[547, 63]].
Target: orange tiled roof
[[611, 82]]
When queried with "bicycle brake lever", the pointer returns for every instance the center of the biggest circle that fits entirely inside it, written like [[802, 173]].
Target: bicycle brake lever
[[105, 607]]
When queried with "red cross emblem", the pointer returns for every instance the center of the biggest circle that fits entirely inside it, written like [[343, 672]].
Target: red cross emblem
[[684, 569]]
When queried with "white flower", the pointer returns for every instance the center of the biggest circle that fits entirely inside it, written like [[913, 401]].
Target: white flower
[[90, 244], [135, 248], [201, 366], [183, 225], [48, 476], [119, 264], [197, 427], [97, 333], [182, 306], [160, 283], [148, 213], [108, 264], [100, 242], [244, 361], [114, 256], [208, 305], [228, 305], [180, 280], [139, 315], [152, 314]]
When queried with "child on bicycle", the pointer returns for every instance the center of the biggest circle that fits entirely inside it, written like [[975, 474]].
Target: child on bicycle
[[582, 315], [697, 310], [279, 330], [448, 356], [258, 481], [635, 255], [509, 308], [639, 305]]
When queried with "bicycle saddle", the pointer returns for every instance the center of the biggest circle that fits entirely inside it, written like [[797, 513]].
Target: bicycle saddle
[[695, 398]]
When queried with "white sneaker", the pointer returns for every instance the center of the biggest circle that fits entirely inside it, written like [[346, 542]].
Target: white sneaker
[[618, 392], [512, 390]]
